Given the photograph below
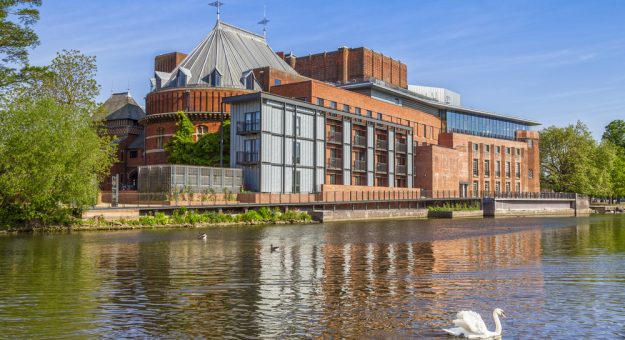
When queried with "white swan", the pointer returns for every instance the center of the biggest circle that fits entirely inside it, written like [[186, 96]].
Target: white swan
[[470, 324]]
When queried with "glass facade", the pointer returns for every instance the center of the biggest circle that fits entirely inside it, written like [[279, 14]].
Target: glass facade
[[477, 125]]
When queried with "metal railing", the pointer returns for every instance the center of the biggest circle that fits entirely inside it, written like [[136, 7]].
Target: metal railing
[[382, 144], [381, 167], [360, 141], [360, 165], [335, 163], [401, 147], [248, 157], [400, 169], [335, 137], [246, 127]]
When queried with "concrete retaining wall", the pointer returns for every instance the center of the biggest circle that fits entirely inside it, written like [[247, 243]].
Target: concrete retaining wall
[[353, 215], [456, 214]]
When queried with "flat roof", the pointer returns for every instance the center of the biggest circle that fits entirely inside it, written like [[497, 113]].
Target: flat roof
[[296, 102], [378, 84]]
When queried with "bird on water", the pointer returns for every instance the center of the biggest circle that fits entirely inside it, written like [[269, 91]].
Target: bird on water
[[273, 248], [203, 236], [469, 324]]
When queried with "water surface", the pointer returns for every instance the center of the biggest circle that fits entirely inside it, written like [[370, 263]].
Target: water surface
[[557, 278]]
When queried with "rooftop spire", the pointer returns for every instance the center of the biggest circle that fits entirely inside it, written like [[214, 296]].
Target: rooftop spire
[[264, 22], [217, 4]]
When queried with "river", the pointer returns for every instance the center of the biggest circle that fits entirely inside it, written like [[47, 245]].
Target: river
[[556, 278]]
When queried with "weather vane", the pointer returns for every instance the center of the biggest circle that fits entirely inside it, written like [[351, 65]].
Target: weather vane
[[217, 4], [264, 22]]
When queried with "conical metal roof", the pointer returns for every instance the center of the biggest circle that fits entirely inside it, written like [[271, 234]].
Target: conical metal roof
[[228, 50]]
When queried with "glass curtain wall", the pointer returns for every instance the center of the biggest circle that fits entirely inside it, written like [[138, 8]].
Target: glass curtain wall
[[481, 126]]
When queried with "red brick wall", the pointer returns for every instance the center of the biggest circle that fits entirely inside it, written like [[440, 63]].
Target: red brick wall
[[312, 90], [267, 77], [436, 168], [351, 64], [196, 100], [168, 62]]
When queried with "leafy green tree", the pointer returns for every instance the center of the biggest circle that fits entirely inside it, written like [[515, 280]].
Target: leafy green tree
[[52, 162], [571, 161], [183, 150], [17, 18], [181, 145], [615, 133]]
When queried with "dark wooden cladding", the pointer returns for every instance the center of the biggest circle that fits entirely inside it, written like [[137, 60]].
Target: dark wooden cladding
[[189, 100]]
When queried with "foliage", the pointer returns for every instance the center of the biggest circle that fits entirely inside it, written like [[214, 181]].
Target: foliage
[[17, 18], [615, 133], [52, 161], [183, 150], [183, 216], [571, 161], [464, 206]]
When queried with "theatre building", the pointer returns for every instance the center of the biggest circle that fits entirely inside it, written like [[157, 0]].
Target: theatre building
[[343, 118]]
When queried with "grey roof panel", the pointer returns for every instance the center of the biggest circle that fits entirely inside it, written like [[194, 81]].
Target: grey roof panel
[[230, 50]]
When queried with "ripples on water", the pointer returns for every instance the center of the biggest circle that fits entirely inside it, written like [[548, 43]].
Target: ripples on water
[[555, 278]]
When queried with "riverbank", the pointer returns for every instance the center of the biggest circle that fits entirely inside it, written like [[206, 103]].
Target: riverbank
[[181, 218]]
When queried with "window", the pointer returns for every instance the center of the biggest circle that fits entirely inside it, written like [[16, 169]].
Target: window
[[498, 149], [298, 126], [475, 167], [345, 107], [517, 170], [379, 115], [518, 152], [507, 186], [486, 168], [333, 105], [475, 147], [248, 80], [530, 143], [497, 169], [277, 82], [320, 102], [333, 179], [133, 153], [507, 151], [369, 113], [357, 110], [487, 186], [159, 137], [530, 173], [497, 186], [201, 130], [296, 181], [250, 145], [476, 188], [297, 156], [215, 78], [507, 169], [360, 180], [518, 187], [487, 148]]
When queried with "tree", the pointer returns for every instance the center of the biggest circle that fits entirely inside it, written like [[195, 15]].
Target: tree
[[183, 150], [16, 36], [571, 161], [52, 162], [181, 145], [615, 133]]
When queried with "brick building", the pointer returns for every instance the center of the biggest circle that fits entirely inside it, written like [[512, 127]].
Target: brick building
[[344, 117]]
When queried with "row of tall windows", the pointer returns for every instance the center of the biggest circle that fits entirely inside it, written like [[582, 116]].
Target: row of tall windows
[[484, 126]]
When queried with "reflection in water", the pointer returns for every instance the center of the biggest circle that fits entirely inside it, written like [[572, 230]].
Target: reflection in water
[[554, 278]]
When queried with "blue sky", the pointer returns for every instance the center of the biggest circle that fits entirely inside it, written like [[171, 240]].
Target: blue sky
[[550, 61]]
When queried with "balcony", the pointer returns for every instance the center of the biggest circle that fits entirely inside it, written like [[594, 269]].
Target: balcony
[[248, 127], [382, 144], [335, 137], [248, 157], [401, 147], [400, 169], [360, 165], [335, 163], [382, 167], [360, 141]]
